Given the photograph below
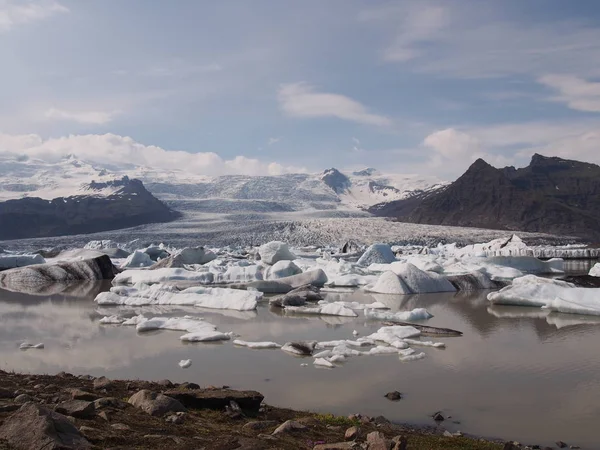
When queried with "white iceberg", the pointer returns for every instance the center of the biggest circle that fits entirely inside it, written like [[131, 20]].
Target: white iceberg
[[162, 275], [329, 309], [205, 297], [553, 295], [185, 363], [377, 253], [323, 363], [112, 320], [402, 316], [197, 330], [256, 345], [275, 251], [137, 259], [390, 283], [595, 271]]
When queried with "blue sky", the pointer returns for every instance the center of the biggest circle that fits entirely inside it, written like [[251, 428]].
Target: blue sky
[[270, 86]]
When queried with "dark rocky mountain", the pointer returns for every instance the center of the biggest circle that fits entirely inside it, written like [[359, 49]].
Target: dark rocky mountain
[[551, 195], [336, 180], [112, 205]]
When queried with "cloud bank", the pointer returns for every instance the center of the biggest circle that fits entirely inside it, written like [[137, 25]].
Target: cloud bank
[[123, 151]]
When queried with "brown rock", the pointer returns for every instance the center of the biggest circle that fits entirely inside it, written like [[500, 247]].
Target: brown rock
[[79, 409], [401, 443], [352, 433], [110, 402], [337, 446], [155, 404], [289, 426], [120, 426], [35, 427], [5, 393], [187, 385], [23, 398], [8, 407], [104, 415], [260, 425], [78, 394], [393, 396], [376, 441], [217, 399], [102, 383]]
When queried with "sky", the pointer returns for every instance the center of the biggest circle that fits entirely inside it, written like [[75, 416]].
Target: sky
[[269, 87]]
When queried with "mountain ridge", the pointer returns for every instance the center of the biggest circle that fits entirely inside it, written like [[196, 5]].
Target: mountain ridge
[[551, 194]]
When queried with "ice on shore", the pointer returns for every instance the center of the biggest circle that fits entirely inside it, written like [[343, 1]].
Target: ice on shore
[[553, 295], [200, 296]]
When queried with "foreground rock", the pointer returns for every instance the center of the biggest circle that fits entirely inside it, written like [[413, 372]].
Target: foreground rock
[[155, 404], [35, 427], [100, 268], [217, 399], [118, 424]]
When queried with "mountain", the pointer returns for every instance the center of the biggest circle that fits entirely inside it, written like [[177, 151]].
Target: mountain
[[101, 206], [551, 195], [326, 192]]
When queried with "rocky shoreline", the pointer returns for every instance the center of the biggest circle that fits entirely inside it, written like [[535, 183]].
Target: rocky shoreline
[[65, 411]]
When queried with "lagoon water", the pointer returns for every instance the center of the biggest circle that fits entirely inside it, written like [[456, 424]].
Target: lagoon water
[[516, 373]]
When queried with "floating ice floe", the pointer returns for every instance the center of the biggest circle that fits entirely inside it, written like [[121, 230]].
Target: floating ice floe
[[158, 294], [304, 348], [275, 251], [27, 346], [256, 345], [329, 309], [185, 363], [550, 294], [390, 283], [197, 330], [323, 363], [162, 275], [377, 253], [425, 343], [281, 269], [112, 320], [136, 260], [10, 261], [402, 316], [595, 271]]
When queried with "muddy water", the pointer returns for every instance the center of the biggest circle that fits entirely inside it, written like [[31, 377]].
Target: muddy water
[[517, 373]]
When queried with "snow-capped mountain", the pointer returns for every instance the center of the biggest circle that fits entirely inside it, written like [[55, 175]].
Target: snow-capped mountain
[[330, 190]]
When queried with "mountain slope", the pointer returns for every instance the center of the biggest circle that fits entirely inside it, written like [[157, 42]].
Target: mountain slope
[[331, 190], [105, 206], [551, 195]]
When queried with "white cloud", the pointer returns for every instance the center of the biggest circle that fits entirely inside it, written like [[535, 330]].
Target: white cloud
[[577, 93], [417, 24], [85, 117], [301, 100], [478, 40], [112, 149], [19, 12], [273, 140], [452, 150]]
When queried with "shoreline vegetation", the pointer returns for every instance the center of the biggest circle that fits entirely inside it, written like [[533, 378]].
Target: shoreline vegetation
[[66, 411]]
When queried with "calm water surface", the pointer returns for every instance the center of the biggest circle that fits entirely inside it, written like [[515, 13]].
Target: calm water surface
[[517, 373]]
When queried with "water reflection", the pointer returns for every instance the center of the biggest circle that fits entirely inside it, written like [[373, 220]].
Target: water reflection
[[516, 372]]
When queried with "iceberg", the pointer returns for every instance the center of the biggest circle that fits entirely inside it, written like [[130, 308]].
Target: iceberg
[[595, 271], [554, 295], [377, 254], [137, 259], [256, 345], [205, 297], [162, 275], [390, 283], [275, 251], [329, 309], [197, 330], [402, 316]]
